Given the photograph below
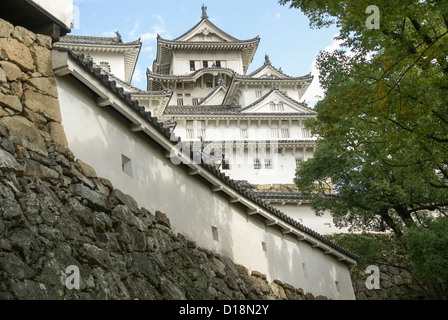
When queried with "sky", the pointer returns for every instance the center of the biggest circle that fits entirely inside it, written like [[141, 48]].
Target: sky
[[285, 34]]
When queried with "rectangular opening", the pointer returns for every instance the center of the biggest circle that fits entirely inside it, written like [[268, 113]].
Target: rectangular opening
[[267, 163], [215, 234], [263, 245], [338, 286], [126, 165], [257, 164]]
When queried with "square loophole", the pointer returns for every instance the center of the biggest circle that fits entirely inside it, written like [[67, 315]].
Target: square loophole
[[126, 165]]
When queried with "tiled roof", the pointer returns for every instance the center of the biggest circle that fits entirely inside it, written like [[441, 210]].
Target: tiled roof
[[235, 185], [226, 110], [280, 195], [88, 40]]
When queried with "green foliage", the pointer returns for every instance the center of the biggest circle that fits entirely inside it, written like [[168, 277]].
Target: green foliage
[[383, 127], [428, 250], [383, 124], [374, 249]]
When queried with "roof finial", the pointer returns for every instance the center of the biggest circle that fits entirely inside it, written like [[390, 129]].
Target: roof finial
[[266, 58], [118, 36], [204, 12]]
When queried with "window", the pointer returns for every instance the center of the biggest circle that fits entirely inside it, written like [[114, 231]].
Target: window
[[257, 94], [285, 133], [192, 66], [218, 64], [225, 165], [268, 163], [298, 162], [209, 84], [179, 85], [327, 225], [280, 107], [272, 106], [205, 64], [180, 101], [244, 134], [190, 133], [215, 234], [195, 101], [201, 133], [257, 164], [275, 133], [126, 165], [306, 133]]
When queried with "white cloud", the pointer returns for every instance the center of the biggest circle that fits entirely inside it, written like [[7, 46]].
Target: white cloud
[[157, 29]]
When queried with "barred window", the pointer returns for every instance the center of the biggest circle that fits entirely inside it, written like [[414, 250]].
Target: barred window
[[268, 163], [257, 164]]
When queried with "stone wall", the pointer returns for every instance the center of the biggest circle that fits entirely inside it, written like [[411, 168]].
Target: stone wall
[[55, 212], [394, 284]]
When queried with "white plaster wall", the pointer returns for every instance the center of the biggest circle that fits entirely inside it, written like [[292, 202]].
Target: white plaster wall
[[181, 60], [99, 139], [115, 60], [61, 9], [242, 163]]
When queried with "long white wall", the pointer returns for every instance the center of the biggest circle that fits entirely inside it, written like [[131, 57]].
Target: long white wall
[[101, 138]]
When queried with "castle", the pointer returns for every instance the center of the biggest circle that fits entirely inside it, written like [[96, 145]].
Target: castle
[[200, 143]]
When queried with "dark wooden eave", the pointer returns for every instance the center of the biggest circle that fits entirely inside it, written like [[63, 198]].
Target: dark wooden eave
[[31, 16]]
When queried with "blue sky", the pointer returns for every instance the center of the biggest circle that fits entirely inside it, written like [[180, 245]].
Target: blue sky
[[285, 33]]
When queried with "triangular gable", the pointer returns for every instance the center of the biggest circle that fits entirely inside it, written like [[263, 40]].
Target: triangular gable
[[206, 31], [268, 71], [276, 102], [216, 97]]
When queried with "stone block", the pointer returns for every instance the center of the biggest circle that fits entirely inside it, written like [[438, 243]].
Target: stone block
[[6, 29], [43, 85], [25, 133], [17, 53], [57, 134], [13, 72], [162, 219], [11, 102], [8, 162], [34, 168], [23, 35], [95, 199], [88, 171], [44, 104], [44, 41], [42, 60]]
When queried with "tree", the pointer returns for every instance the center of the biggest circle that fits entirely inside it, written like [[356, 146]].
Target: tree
[[383, 123]]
